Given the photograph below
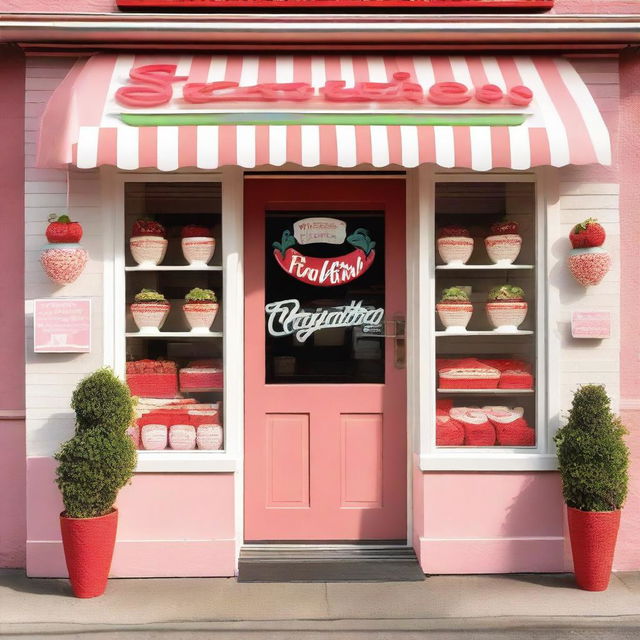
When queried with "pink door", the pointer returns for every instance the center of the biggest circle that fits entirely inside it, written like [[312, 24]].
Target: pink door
[[325, 391]]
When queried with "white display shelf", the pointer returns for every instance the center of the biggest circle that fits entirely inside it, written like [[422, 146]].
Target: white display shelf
[[174, 334], [466, 334], [493, 392], [162, 267], [483, 267]]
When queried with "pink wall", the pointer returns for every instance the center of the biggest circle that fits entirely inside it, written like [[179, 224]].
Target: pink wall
[[12, 438], [491, 522], [169, 524], [628, 548]]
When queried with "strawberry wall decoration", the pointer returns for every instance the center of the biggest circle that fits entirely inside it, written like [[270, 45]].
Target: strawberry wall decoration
[[589, 262], [63, 259]]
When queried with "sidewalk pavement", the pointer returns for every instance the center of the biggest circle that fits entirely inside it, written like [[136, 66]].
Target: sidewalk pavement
[[535, 605]]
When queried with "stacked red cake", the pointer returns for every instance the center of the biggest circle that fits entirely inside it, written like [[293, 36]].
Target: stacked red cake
[[514, 373], [201, 374], [484, 373], [467, 373], [152, 378]]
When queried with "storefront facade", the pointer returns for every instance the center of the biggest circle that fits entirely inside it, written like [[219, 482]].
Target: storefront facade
[[326, 208]]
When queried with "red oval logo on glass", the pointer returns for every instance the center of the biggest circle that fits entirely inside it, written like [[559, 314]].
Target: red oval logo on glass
[[324, 272]]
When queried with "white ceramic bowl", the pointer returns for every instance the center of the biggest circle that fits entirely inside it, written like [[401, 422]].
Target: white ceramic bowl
[[148, 250], [149, 316], [454, 316], [455, 250], [506, 316], [198, 251], [200, 315], [503, 249]]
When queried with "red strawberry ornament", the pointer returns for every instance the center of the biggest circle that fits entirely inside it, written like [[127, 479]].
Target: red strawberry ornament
[[62, 229], [195, 231], [142, 227], [504, 228], [589, 233]]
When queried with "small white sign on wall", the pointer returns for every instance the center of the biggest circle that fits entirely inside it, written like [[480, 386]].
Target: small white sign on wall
[[62, 325], [591, 324]]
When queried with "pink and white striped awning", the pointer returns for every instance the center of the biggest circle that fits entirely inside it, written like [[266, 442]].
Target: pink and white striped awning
[[274, 110]]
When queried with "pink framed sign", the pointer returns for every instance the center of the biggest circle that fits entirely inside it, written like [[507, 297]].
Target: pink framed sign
[[591, 324], [62, 325]]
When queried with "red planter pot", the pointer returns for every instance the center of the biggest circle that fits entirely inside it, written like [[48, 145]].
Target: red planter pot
[[88, 549], [593, 541]]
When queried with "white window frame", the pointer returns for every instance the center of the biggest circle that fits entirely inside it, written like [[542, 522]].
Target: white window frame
[[114, 301], [422, 327]]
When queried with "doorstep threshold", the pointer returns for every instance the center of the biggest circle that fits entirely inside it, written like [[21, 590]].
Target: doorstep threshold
[[328, 563]]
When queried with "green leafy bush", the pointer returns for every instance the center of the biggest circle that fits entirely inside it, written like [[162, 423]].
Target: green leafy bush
[[454, 294], [505, 292], [149, 295], [593, 457], [200, 295], [100, 458]]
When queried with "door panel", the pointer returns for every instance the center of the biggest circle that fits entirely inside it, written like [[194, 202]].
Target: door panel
[[287, 460], [325, 413]]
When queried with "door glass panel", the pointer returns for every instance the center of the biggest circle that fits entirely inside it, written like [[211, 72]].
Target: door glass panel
[[324, 297]]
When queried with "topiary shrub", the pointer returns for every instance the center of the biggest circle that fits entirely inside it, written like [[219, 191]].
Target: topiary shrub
[[100, 458], [593, 457]]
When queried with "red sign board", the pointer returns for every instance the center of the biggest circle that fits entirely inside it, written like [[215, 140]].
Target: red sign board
[[284, 5], [591, 324], [62, 325]]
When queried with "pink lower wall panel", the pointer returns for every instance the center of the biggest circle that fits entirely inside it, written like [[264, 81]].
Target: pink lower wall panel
[[490, 522], [12, 495], [170, 524]]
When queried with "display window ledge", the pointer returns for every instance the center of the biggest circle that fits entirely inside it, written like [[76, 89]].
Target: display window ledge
[[488, 461], [185, 462]]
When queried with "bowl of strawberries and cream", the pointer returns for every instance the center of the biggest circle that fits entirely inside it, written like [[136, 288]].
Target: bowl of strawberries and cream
[[504, 244], [148, 242], [198, 245]]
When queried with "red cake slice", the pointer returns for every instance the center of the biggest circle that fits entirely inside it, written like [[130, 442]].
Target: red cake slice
[[468, 373]]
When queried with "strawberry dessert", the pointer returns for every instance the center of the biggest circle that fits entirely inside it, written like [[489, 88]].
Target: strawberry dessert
[[148, 242], [504, 244], [198, 244], [455, 244]]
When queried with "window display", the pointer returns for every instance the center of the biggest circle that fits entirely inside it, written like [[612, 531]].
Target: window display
[[486, 351], [173, 275]]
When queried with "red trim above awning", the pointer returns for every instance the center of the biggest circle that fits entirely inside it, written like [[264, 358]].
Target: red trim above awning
[[84, 122]]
